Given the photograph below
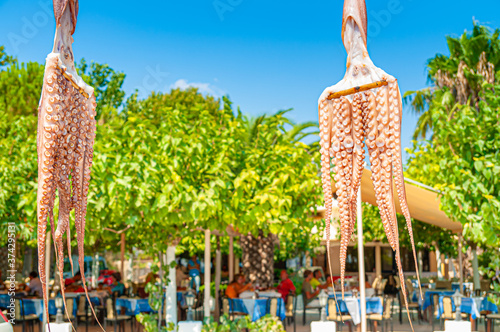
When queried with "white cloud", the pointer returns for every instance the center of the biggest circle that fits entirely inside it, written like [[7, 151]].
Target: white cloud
[[202, 87]]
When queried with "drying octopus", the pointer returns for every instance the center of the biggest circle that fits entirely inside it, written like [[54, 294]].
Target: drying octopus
[[65, 139], [363, 108]]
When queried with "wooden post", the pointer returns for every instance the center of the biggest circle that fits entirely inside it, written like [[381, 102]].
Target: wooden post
[[439, 262], [475, 268], [218, 263], [231, 259], [122, 254], [378, 260], [171, 296], [206, 304], [236, 265], [420, 262], [161, 259], [460, 262]]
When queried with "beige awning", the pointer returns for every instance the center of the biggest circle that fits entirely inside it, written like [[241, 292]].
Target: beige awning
[[423, 204]]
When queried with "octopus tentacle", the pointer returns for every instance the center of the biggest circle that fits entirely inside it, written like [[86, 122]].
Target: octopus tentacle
[[403, 286], [68, 233], [344, 162], [395, 123], [46, 141], [376, 141], [84, 154], [327, 142], [358, 153], [66, 124], [385, 169], [374, 118]]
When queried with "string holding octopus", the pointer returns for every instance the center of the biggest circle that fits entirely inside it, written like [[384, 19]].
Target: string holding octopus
[[365, 107], [65, 140]]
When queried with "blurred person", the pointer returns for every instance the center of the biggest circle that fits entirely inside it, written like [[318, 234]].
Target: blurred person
[[116, 284], [180, 276], [194, 272], [315, 283], [367, 284], [286, 286], [74, 284], [34, 287], [307, 290], [76, 278], [151, 277], [238, 286], [2, 284], [391, 288], [329, 281]]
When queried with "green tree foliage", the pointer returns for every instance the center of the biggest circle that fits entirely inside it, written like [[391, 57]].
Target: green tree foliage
[[20, 87], [5, 59], [461, 158], [188, 163], [107, 84], [18, 174], [458, 77], [165, 166], [276, 184], [464, 157], [164, 170]]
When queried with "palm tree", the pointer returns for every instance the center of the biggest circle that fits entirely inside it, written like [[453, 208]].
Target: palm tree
[[258, 251], [459, 77]]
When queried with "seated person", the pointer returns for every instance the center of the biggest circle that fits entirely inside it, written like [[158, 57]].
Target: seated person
[[237, 287], [180, 276], [391, 287], [35, 285], [286, 285], [2, 284], [151, 277], [194, 270], [329, 281], [100, 286], [307, 291], [315, 283], [367, 284], [72, 284], [118, 286]]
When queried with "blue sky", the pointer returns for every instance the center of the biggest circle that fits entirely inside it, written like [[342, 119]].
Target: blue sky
[[266, 55]]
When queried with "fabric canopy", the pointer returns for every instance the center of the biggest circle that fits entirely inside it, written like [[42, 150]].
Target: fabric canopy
[[423, 204]]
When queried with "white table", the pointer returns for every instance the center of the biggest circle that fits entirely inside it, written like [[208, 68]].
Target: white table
[[63, 327], [268, 294], [454, 326], [373, 306], [323, 327], [189, 326]]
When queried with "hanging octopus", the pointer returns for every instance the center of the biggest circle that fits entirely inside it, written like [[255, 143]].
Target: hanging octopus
[[65, 139], [364, 108]]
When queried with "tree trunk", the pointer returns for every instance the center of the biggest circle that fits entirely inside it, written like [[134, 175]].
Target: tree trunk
[[258, 259]]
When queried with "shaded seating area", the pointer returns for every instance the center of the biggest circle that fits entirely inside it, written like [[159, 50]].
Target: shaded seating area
[[290, 311], [113, 317], [336, 316], [385, 318], [28, 321]]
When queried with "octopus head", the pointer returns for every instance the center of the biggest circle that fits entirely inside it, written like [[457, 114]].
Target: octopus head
[[354, 15], [60, 7]]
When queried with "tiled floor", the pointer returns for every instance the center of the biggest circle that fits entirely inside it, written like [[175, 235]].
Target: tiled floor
[[311, 316]]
